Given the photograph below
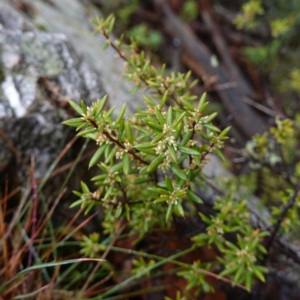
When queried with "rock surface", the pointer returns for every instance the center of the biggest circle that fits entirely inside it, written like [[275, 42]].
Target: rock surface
[[40, 72]]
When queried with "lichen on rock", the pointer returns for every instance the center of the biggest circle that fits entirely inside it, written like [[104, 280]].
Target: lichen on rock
[[40, 73]]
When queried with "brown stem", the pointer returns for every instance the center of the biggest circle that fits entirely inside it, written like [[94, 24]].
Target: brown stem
[[143, 79], [123, 147], [117, 142]]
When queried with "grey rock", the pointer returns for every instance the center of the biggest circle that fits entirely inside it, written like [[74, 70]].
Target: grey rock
[[40, 72]]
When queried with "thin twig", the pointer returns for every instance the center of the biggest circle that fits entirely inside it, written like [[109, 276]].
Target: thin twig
[[282, 216], [143, 79], [118, 143]]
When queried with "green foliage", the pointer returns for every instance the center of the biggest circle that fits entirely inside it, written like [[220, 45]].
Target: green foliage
[[141, 265], [232, 216], [151, 163], [178, 297], [190, 10], [195, 276], [263, 57], [91, 245], [123, 9], [291, 220], [251, 10], [272, 152], [295, 77], [146, 37], [276, 22]]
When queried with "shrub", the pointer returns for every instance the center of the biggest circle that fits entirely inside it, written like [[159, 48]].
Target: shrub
[[151, 165]]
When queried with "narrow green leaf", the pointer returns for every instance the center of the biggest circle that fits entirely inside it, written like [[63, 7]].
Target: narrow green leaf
[[78, 194], [188, 151], [111, 24], [158, 138], [239, 273], [84, 133], [110, 155], [179, 209], [173, 153], [127, 212], [258, 274], [197, 160], [128, 132], [205, 218], [159, 191], [74, 122], [83, 125], [147, 145], [163, 100], [91, 136], [169, 212], [117, 167], [161, 199], [76, 203], [143, 170], [106, 45], [121, 129], [182, 159], [202, 101], [186, 138], [142, 129], [179, 119], [149, 101], [140, 180], [223, 134], [83, 106], [159, 116], [99, 177], [230, 270], [178, 131], [211, 117], [170, 116], [188, 105], [155, 163], [211, 127], [118, 211], [248, 281], [155, 126], [84, 187], [169, 184], [109, 191], [187, 76], [97, 155], [109, 112], [126, 163], [193, 197], [148, 151], [177, 171], [220, 153], [102, 103], [76, 107], [103, 167], [107, 151], [121, 114]]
